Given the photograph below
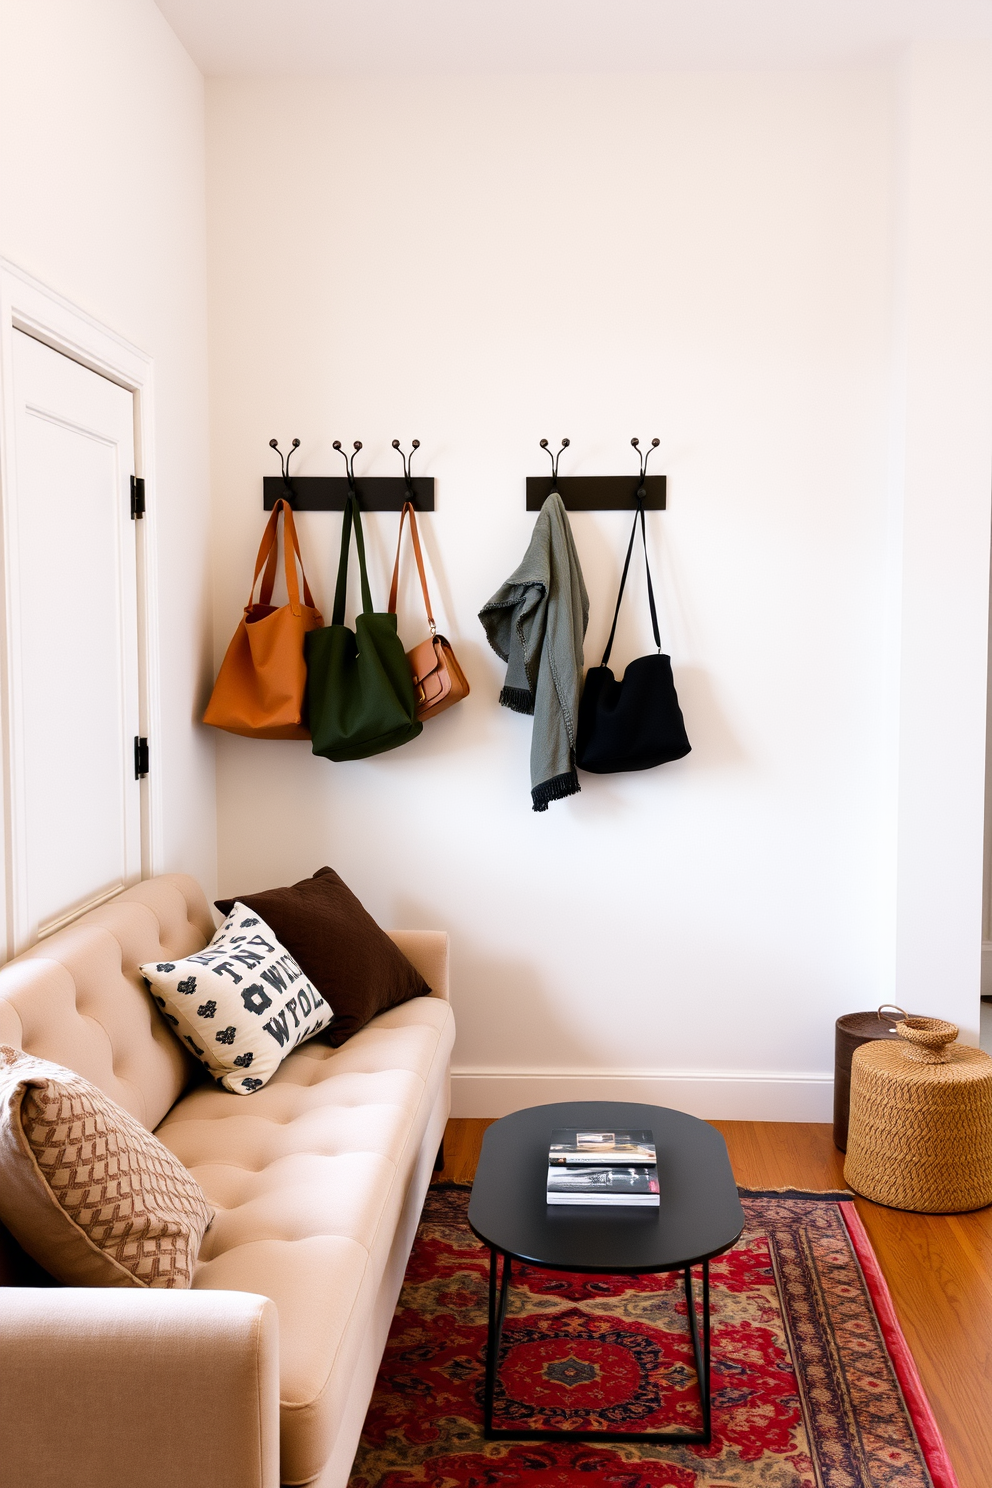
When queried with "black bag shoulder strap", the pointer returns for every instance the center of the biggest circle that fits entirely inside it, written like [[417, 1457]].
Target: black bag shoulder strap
[[638, 514], [351, 514]]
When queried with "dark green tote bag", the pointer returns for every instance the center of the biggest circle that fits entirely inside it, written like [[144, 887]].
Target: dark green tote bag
[[360, 698]]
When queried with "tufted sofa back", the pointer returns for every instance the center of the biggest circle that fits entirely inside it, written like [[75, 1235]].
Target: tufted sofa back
[[77, 998]]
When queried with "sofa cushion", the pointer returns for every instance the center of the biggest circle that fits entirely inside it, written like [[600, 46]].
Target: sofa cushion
[[352, 963], [308, 1179], [78, 998], [87, 1191], [241, 1004]]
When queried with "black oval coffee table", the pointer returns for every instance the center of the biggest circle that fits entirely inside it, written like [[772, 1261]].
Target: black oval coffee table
[[699, 1217]]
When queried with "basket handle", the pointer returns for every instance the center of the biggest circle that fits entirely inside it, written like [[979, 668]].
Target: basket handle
[[898, 1009]]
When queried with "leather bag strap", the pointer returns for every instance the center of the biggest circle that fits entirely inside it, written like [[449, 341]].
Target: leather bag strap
[[351, 517], [268, 553], [289, 527], [639, 513], [269, 576], [394, 587]]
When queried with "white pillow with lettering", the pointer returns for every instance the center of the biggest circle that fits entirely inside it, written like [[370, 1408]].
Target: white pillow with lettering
[[241, 1004]]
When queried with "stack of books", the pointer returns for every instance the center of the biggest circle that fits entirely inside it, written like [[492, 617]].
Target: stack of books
[[617, 1169]]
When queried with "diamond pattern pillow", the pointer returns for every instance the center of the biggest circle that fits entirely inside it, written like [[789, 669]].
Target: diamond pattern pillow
[[241, 1004], [91, 1195]]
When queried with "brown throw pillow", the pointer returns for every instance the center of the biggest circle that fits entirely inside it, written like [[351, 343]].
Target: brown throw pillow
[[91, 1195], [353, 964]]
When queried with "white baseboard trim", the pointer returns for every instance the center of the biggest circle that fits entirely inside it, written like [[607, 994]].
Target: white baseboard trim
[[719, 1095]]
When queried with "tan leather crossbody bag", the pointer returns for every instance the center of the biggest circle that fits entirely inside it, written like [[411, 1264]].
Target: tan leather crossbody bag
[[438, 680]]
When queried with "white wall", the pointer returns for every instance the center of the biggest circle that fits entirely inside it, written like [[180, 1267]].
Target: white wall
[[728, 261], [943, 438], [102, 199]]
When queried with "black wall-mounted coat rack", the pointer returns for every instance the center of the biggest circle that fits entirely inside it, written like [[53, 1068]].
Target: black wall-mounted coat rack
[[330, 492], [598, 492]]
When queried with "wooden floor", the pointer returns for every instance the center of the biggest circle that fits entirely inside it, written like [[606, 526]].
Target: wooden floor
[[939, 1270]]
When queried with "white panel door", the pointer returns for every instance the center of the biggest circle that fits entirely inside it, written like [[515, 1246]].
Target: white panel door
[[74, 822]]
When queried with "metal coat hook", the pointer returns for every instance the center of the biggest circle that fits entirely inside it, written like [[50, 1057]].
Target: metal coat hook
[[407, 462], [644, 456], [349, 462], [554, 460], [284, 462]]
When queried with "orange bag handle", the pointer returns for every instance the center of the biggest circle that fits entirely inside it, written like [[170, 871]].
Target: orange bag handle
[[394, 588], [268, 555]]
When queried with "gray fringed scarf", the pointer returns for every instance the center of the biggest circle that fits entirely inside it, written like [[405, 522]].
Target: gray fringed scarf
[[536, 623]]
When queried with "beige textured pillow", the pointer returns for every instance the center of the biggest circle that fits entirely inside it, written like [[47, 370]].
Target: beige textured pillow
[[85, 1189]]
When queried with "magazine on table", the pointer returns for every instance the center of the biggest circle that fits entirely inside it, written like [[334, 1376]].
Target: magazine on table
[[605, 1186], [573, 1146]]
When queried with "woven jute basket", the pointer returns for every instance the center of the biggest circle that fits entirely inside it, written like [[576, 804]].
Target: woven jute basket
[[920, 1135]]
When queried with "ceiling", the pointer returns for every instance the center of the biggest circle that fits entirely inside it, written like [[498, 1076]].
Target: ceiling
[[308, 38]]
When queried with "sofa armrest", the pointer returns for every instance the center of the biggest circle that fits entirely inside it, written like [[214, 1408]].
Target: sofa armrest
[[427, 950], [107, 1387]]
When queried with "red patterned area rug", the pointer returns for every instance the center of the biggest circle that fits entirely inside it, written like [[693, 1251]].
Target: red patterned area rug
[[813, 1383]]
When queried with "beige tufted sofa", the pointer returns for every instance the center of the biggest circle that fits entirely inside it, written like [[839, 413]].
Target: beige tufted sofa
[[262, 1373]]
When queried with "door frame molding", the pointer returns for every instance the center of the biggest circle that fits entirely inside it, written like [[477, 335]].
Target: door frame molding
[[30, 306]]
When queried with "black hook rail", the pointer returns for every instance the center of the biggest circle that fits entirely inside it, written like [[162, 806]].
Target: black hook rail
[[331, 492], [599, 492]]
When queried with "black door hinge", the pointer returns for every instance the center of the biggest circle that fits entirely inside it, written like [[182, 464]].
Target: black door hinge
[[140, 758], [137, 497]]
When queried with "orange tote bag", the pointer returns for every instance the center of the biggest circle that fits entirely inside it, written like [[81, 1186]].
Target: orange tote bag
[[262, 680]]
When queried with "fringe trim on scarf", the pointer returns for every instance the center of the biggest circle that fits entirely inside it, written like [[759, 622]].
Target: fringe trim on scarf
[[520, 699], [555, 789]]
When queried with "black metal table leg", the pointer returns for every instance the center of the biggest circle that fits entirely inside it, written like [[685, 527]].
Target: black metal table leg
[[701, 1347], [497, 1312], [706, 1380], [490, 1340]]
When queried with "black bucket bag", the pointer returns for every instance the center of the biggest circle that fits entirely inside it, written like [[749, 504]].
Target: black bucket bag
[[635, 723]]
